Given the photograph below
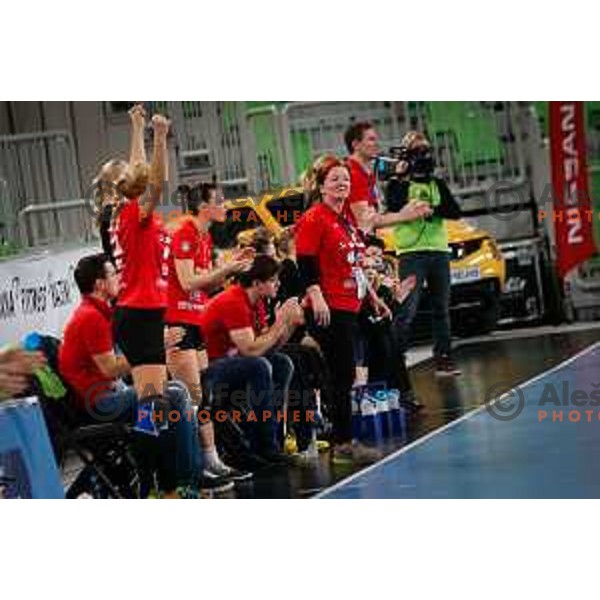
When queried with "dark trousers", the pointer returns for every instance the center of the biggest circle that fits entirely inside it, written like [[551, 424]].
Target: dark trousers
[[310, 374], [256, 384], [433, 268], [385, 366], [174, 456], [337, 344]]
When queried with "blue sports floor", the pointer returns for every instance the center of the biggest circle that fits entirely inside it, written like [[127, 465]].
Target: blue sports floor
[[522, 455]]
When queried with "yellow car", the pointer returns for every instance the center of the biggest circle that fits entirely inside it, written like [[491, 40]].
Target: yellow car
[[477, 266], [478, 271]]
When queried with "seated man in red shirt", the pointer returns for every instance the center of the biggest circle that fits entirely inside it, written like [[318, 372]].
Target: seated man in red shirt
[[87, 359], [89, 365], [245, 370]]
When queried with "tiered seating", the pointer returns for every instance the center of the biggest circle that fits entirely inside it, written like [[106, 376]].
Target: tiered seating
[[270, 169], [303, 150], [472, 129]]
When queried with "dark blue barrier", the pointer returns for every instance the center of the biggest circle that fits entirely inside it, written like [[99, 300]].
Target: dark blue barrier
[[27, 465]]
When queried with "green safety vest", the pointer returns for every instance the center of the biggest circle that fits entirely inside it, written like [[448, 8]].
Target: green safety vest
[[421, 235]]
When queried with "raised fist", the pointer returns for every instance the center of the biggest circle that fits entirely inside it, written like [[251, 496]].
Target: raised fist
[[137, 114], [160, 124]]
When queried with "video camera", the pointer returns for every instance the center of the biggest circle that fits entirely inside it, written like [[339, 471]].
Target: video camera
[[420, 162]]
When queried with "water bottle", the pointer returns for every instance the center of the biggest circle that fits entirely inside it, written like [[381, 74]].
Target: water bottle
[[371, 425], [397, 415], [313, 449], [356, 417], [383, 413]]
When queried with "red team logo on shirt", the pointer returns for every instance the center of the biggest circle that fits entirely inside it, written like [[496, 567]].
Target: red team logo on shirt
[[337, 245], [187, 243]]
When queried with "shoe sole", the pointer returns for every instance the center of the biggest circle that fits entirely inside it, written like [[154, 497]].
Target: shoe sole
[[221, 489], [242, 478], [447, 374]]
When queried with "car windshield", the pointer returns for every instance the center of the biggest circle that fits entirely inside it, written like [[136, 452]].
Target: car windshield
[[239, 219], [286, 210]]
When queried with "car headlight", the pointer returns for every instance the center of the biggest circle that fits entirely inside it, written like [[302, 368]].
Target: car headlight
[[461, 250]]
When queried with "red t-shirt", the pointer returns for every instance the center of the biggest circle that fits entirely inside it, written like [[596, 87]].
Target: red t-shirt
[[363, 187], [87, 334], [229, 311], [339, 249], [187, 243], [140, 247]]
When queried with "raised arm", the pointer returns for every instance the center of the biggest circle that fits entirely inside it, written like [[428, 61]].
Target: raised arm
[[191, 280], [137, 151], [409, 212], [159, 169]]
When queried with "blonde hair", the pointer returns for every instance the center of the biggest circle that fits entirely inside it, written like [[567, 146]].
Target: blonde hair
[[285, 241], [117, 177], [414, 138]]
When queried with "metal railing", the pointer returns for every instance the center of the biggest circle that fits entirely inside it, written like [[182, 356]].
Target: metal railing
[[7, 213], [476, 143], [71, 222], [212, 141], [311, 129], [9, 235], [269, 167], [39, 165]]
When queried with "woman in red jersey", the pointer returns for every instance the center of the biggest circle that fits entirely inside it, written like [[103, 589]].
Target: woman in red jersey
[[191, 277], [330, 252], [138, 244]]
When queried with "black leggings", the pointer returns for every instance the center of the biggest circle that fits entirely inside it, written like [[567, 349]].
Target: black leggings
[[310, 374], [337, 343], [386, 364]]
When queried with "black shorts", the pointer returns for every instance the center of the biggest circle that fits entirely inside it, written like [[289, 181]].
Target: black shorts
[[139, 333], [192, 337]]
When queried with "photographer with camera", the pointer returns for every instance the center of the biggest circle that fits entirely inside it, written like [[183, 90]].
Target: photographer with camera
[[363, 207], [422, 245]]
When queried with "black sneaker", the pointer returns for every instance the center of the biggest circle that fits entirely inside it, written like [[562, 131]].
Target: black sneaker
[[229, 473], [446, 367], [239, 476], [215, 484]]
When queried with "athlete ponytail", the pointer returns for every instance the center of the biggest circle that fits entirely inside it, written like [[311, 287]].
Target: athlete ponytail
[[115, 180]]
